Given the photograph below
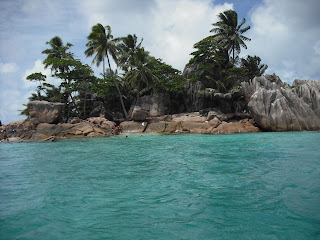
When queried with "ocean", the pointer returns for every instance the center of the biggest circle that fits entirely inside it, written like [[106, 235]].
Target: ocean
[[240, 186]]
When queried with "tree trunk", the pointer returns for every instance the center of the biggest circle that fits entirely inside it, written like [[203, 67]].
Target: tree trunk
[[117, 87], [138, 94], [233, 53], [104, 70]]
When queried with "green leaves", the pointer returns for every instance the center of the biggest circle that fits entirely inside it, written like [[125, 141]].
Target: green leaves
[[253, 67], [37, 77], [57, 52], [229, 33]]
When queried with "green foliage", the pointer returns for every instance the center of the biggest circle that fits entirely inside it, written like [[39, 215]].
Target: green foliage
[[213, 67], [169, 78], [41, 79], [229, 33], [253, 67], [101, 44], [57, 52]]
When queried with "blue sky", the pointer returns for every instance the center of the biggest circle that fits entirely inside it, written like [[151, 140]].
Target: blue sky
[[284, 33]]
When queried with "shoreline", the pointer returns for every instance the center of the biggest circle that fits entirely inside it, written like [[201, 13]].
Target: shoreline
[[129, 135]]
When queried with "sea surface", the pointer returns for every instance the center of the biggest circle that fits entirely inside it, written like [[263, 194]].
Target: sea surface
[[242, 186]]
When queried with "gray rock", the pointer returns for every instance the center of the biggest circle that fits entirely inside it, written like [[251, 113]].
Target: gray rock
[[155, 105], [156, 127], [133, 127], [275, 106], [139, 114], [309, 91], [98, 109], [45, 112]]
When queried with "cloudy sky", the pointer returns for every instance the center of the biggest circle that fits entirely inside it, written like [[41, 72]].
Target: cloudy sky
[[284, 33]]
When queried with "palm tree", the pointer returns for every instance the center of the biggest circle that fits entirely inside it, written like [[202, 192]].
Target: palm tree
[[253, 66], [57, 52], [229, 33], [140, 75], [101, 44], [128, 48]]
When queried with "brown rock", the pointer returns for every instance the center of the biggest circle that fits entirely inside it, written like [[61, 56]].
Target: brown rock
[[234, 127], [108, 126], [133, 127], [156, 127], [45, 112], [214, 122], [173, 127], [188, 117], [47, 129], [139, 114], [193, 127], [83, 128]]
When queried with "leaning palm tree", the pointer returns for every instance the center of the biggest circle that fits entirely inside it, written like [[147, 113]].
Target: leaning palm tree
[[57, 52], [101, 44], [229, 33]]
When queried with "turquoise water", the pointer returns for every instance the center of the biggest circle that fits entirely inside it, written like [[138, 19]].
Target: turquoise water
[[244, 186]]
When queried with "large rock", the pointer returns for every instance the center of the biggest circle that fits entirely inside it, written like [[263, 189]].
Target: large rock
[[309, 91], [155, 105], [45, 112], [97, 109], [233, 127], [20, 128], [139, 114], [276, 106], [188, 117], [133, 127], [156, 127]]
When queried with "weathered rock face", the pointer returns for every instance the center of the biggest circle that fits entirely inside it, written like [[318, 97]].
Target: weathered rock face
[[188, 117], [45, 112], [155, 105], [139, 114], [309, 91], [198, 98], [277, 107], [19, 128], [98, 109], [92, 127], [133, 127]]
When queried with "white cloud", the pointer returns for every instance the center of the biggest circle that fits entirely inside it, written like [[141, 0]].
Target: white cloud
[[169, 28], [11, 103], [286, 35], [8, 67], [178, 26], [39, 67]]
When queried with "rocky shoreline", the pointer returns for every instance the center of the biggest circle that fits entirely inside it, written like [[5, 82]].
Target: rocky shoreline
[[264, 104], [211, 123]]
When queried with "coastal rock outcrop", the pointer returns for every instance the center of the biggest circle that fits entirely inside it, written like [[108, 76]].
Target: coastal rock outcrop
[[133, 127], [276, 106], [155, 105], [139, 114], [45, 112], [92, 127], [19, 128]]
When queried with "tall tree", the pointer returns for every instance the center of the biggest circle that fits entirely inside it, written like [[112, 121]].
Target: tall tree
[[140, 76], [57, 52], [41, 79], [229, 33], [253, 66], [128, 48], [101, 44]]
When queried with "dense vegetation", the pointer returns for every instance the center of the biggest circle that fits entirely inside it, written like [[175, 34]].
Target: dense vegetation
[[215, 63]]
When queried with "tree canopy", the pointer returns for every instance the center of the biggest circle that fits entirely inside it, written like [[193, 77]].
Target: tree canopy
[[137, 73]]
